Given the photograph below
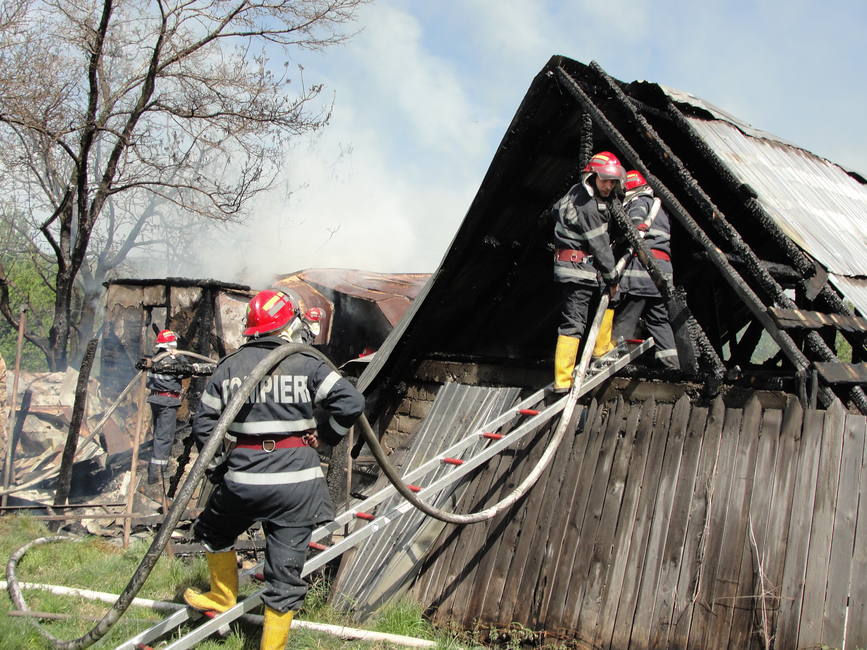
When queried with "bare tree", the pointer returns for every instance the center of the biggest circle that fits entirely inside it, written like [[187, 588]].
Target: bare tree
[[112, 108]]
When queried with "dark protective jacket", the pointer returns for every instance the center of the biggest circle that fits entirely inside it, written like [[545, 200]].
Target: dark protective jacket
[[582, 225], [657, 237], [285, 485], [161, 382]]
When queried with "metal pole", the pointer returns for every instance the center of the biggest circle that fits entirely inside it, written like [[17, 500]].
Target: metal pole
[[10, 444], [133, 478]]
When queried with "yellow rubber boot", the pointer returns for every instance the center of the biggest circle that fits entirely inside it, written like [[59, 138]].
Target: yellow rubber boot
[[603, 344], [223, 595], [564, 361], [275, 631]]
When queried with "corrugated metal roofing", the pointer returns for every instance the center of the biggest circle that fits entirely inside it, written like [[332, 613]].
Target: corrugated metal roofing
[[816, 203], [384, 563]]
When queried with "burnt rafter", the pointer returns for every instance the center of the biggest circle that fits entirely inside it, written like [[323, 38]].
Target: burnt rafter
[[759, 274], [803, 265]]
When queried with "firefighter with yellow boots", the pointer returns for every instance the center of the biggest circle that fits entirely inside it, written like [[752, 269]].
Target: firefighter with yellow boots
[[272, 474], [583, 257]]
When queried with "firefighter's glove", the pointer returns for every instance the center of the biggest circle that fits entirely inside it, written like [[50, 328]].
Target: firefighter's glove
[[203, 369], [144, 364]]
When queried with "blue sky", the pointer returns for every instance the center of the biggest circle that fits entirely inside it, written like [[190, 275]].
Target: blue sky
[[425, 91]]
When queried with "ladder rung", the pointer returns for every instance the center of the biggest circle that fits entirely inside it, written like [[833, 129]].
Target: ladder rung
[[453, 461], [317, 546], [528, 412], [365, 515], [493, 436], [414, 488]]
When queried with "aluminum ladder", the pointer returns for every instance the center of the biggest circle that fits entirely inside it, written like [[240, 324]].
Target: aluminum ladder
[[482, 444]]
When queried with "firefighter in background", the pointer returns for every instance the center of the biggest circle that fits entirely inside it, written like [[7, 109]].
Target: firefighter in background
[[272, 474], [164, 398], [639, 296], [584, 255]]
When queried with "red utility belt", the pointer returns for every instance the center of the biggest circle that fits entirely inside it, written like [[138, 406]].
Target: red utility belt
[[271, 443], [166, 394], [570, 255], [658, 254]]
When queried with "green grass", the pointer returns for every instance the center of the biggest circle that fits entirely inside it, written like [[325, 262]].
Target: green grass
[[98, 565]]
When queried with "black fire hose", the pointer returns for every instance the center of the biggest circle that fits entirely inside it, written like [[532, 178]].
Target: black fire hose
[[185, 493]]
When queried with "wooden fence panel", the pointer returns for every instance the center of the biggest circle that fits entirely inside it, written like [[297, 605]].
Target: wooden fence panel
[[600, 558], [592, 518], [516, 516], [678, 523], [556, 614], [718, 499], [641, 531], [525, 549], [799, 531], [621, 549], [553, 578], [659, 525], [554, 494], [651, 527], [780, 509], [856, 624], [695, 542], [818, 558], [843, 535], [751, 596], [737, 519]]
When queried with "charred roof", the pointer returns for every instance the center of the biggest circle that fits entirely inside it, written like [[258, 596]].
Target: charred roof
[[758, 223]]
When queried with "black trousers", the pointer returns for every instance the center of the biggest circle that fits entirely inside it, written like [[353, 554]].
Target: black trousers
[[164, 423], [630, 310], [219, 526], [576, 305]]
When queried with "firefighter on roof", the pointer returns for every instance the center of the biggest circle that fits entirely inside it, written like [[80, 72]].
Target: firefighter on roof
[[164, 398], [638, 293], [272, 474], [583, 256]]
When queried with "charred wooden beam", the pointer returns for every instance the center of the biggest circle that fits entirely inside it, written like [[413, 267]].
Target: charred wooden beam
[[843, 373], [806, 268], [814, 342], [801, 319]]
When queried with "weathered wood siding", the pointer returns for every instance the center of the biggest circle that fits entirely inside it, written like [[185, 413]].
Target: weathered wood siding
[[667, 525]]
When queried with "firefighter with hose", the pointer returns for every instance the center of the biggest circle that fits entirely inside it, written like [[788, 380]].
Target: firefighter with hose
[[271, 473], [583, 257]]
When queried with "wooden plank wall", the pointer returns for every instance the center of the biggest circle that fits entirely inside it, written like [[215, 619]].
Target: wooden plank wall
[[660, 525]]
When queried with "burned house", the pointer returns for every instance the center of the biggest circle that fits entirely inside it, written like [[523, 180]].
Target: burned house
[[722, 507]]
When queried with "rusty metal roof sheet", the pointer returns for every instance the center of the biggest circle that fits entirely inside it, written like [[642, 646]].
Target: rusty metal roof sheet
[[392, 292]]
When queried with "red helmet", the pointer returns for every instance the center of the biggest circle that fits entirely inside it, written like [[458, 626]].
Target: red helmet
[[269, 311], [606, 165], [634, 179], [167, 338], [314, 314]]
